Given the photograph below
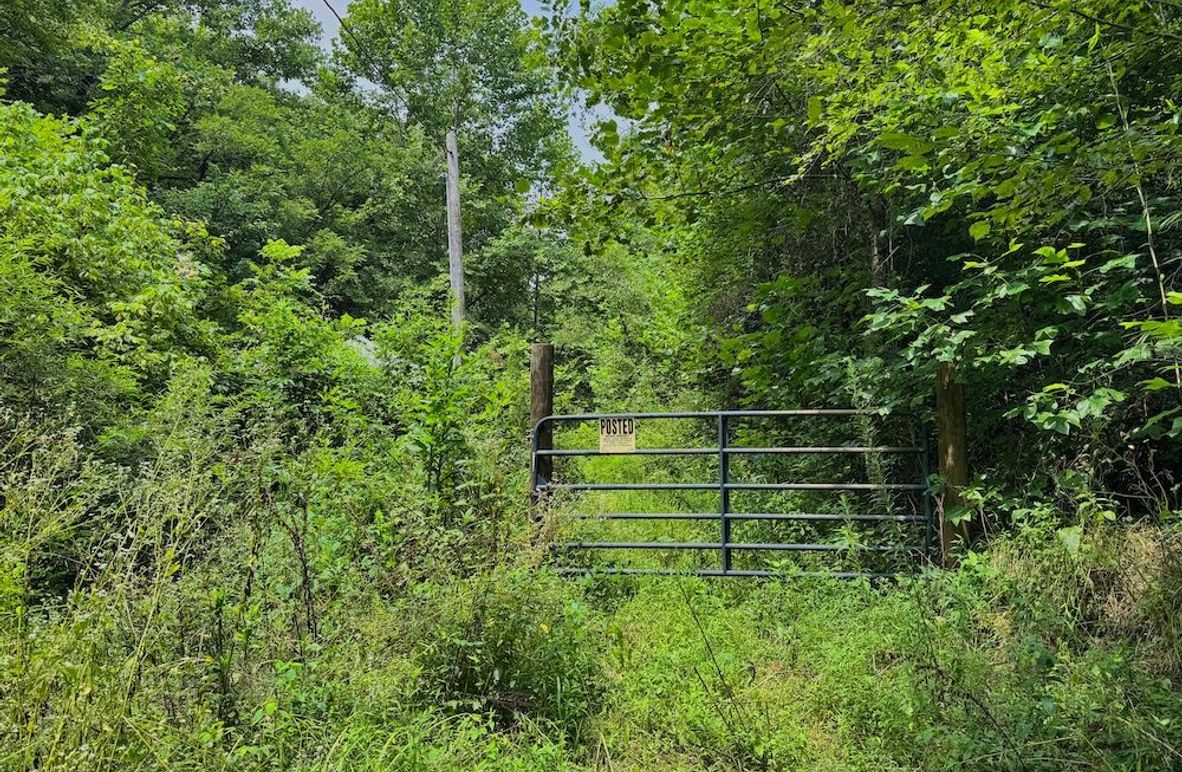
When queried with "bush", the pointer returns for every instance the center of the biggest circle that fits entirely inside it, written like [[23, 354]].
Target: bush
[[513, 644], [100, 288]]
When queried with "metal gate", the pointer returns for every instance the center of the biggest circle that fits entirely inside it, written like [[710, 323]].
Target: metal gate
[[544, 482]]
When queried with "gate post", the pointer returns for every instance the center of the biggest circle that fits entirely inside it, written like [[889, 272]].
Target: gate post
[[952, 438], [541, 404]]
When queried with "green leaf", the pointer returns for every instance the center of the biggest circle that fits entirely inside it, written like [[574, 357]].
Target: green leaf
[[1126, 261], [979, 230], [609, 132], [1070, 538], [958, 515], [1156, 384], [895, 140], [814, 109]]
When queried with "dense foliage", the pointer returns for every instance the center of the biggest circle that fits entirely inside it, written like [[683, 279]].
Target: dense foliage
[[1001, 177], [262, 508]]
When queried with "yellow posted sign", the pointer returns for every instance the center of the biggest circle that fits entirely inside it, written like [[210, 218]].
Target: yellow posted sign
[[617, 435]]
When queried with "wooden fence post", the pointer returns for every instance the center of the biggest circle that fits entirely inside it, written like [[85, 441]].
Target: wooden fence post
[[541, 404], [952, 437]]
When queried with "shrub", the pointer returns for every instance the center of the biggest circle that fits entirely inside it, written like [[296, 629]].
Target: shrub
[[513, 644]]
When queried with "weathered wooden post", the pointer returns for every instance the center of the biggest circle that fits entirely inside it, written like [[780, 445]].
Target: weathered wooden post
[[541, 404], [952, 439]]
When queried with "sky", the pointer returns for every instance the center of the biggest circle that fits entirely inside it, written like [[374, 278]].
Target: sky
[[578, 123]]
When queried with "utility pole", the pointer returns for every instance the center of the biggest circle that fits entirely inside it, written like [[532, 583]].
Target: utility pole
[[455, 240]]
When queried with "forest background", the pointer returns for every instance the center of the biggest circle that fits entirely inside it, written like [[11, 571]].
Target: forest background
[[263, 507]]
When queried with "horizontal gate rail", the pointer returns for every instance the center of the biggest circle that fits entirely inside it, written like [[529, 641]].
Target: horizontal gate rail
[[822, 449], [839, 411], [802, 516], [736, 572], [825, 487], [768, 546], [731, 487], [628, 487], [725, 486], [732, 451], [637, 452]]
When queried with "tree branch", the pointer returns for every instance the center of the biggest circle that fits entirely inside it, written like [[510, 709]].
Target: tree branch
[[739, 188], [1106, 22]]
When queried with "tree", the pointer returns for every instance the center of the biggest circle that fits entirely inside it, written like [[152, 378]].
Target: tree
[[463, 70], [987, 184], [101, 289]]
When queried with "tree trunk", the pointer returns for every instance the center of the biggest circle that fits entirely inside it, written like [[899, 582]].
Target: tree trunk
[[952, 432], [879, 268]]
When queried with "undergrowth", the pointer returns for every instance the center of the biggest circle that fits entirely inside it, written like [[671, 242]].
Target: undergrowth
[[246, 650]]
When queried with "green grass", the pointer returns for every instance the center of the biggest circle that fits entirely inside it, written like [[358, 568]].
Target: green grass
[[1028, 658], [987, 668], [1055, 648]]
